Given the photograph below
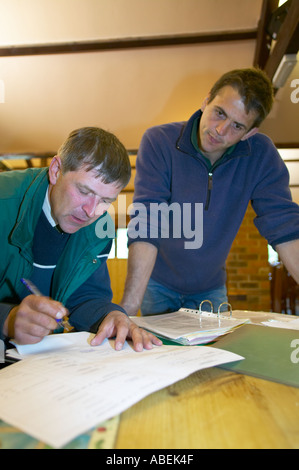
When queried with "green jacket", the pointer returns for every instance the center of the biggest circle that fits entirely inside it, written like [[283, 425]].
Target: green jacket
[[22, 195]]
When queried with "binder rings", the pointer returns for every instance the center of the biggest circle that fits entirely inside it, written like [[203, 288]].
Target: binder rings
[[189, 326]]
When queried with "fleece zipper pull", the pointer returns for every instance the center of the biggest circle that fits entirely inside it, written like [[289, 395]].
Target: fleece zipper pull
[[210, 186]]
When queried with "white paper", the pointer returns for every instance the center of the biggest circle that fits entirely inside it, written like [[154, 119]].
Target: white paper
[[55, 396], [48, 344], [291, 325], [188, 325]]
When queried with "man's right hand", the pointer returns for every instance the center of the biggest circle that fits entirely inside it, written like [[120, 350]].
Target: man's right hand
[[34, 318]]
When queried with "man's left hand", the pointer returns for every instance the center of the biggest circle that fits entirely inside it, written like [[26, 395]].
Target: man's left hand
[[118, 325]]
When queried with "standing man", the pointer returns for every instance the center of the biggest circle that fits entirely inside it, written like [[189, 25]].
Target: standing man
[[211, 167], [48, 234]]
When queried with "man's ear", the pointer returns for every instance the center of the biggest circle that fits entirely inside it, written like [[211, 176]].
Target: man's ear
[[54, 169], [205, 102], [250, 133]]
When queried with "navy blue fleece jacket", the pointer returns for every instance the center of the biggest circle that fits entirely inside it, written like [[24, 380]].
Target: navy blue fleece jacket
[[211, 202]]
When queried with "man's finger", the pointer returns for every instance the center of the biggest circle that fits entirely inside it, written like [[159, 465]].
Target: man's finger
[[119, 325], [47, 306]]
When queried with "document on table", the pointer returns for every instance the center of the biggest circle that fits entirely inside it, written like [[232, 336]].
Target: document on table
[[188, 326], [59, 393], [291, 325]]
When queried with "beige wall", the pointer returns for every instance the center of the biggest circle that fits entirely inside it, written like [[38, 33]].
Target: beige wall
[[43, 98], [42, 21], [123, 91], [126, 92]]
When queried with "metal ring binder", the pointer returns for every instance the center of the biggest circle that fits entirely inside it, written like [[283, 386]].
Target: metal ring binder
[[191, 326], [204, 301], [230, 307]]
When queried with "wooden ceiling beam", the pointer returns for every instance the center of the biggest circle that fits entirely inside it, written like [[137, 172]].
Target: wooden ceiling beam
[[287, 40], [128, 43], [264, 40]]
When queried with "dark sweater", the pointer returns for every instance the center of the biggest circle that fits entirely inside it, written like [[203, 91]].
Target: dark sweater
[[170, 170]]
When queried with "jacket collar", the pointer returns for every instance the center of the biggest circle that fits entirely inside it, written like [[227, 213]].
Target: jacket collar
[[30, 209]]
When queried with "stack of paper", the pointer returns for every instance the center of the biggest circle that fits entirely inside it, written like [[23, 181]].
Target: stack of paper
[[189, 327], [64, 386]]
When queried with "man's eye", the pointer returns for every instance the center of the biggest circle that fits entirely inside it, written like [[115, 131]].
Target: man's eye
[[219, 113], [83, 191]]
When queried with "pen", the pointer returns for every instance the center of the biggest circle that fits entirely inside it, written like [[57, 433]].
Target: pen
[[34, 290], [31, 287]]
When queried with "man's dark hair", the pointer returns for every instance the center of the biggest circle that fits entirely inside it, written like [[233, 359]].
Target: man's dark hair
[[96, 149], [254, 87]]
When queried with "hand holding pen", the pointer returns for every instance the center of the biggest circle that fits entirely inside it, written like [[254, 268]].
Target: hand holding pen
[[35, 317], [62, 321]]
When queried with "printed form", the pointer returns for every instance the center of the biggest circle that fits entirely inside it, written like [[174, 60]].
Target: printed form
[[64, 387]]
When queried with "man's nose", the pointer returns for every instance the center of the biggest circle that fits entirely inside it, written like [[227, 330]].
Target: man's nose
[[222, 127], [90, 207]]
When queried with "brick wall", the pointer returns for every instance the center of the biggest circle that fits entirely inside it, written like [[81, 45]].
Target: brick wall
[[248, 269]]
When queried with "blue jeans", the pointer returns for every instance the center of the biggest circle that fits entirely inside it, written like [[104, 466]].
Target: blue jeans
[[160, 299]]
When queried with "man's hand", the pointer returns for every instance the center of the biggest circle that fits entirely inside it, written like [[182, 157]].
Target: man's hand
[[34, 318], [119, 325]]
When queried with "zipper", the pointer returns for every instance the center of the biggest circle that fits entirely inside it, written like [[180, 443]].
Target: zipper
[[210, 175], [210, 178], [210, 182], [210, 186]]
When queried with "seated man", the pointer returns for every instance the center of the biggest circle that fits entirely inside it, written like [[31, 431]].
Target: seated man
[[49, 235]]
